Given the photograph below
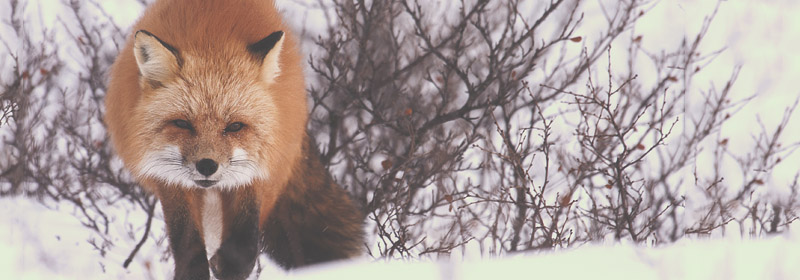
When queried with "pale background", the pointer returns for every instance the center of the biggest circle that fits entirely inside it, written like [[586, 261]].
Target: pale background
[[762, 37]]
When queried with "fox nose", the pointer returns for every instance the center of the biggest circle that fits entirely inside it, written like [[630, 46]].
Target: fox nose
[[206, 166]]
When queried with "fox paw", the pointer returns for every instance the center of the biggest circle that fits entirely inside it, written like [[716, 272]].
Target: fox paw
[[225, 270]]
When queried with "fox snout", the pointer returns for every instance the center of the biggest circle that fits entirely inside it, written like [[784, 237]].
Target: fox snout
[[171, 166], [206, 167]]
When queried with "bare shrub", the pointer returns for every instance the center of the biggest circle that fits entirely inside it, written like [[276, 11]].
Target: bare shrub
[[442, 121], [54, 143]]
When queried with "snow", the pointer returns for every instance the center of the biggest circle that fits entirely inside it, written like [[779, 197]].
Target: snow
[[49, 243], [42, 243]]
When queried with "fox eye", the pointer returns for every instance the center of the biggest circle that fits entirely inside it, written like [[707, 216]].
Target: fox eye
[[182, 124], [234, 127]]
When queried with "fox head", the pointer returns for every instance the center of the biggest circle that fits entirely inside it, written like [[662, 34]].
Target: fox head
[[215, 118]]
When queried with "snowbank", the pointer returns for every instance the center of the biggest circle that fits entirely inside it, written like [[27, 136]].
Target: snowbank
[[775, 258], [38, 242]]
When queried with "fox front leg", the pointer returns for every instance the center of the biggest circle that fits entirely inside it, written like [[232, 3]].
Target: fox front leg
[[238, 250], [187, 245]]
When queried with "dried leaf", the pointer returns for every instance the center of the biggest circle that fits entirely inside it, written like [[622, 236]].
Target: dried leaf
[[576, 39], [408, 112], [449, 199], [724, 142], [565, 200], [640, 147], [637, 39], [672, 79], [758, 182], [26, 75], [386, 164], [608, 186]]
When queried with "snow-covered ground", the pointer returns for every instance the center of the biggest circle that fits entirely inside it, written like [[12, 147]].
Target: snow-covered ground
[[774, 258], [49, 243], [38, 242]]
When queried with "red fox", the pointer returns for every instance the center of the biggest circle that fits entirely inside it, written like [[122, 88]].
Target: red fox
[[206, 107]]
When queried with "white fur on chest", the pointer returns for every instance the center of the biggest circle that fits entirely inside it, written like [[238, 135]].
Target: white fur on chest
[[212, 221]]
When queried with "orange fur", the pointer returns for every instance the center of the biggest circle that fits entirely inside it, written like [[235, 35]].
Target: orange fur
[[218, 83], [211, 81]]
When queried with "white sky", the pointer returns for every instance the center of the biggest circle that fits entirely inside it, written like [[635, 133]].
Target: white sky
[[762, 37]]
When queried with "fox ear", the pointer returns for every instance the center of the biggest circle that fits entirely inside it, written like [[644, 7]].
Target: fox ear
[[268, 51], [158, 61]]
